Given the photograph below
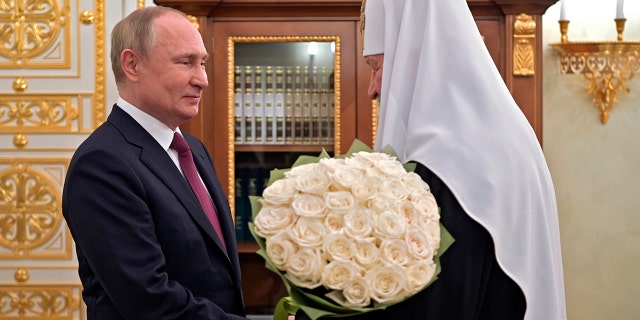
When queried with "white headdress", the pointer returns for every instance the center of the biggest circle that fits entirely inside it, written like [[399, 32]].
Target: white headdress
[[444, 104]]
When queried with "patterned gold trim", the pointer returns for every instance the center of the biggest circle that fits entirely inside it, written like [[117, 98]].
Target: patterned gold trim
[[524, 37], [231, 58], [30, 209], [230, 95], [39, 302], [99, 102], [375, 107], [32, 30], [37, 113], [43, 267]]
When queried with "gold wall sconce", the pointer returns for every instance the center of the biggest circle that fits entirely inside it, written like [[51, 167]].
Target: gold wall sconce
[[607, 65]]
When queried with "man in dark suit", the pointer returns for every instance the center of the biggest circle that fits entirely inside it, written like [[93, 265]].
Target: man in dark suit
[[146, 249]]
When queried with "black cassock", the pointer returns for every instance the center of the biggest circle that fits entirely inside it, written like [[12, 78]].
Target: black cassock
[[471, 285]]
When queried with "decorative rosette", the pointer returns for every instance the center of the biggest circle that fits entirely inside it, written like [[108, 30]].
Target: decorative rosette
[[350, 234]]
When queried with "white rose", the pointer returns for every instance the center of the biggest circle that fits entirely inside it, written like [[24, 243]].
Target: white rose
[[414, 183], [280, 192], [427, 207], [360, 162], [394, 251], [390, 167], [334, 222], [337, 274], [307, 205], [337, 246], [433, 234], [367, 253], [308, 232], [371, 157], [344, 177], [366, 188], [339, 201], [280, 248], [387, 284], [305, 268], [395, 189], [381, 202], [330, 164], [419, 274], [357, 293], [314, 182], [271, 220], [301, 170], [390, 225], [358, 223], [419, 243], [409, 212]]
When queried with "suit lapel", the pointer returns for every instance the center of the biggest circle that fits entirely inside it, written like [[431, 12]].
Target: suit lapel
[[204, 165], [207, 172], [159, 162]]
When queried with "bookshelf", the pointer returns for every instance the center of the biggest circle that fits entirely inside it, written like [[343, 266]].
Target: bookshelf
[[271, 39]]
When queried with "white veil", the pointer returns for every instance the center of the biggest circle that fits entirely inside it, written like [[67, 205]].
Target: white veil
[[444, 104]]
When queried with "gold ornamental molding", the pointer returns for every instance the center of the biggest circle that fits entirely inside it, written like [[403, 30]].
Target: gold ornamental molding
[[37, 113], [30, 29], [31, 222], [87, 17], [99, 102], [39, 302], [606, 65], [20, 85], [524, 38], [23, 114]]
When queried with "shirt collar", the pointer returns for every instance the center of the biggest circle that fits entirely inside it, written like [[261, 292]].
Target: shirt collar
[[157, 129]]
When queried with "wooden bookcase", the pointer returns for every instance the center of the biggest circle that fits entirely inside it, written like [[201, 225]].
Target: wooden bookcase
[[511, 30]]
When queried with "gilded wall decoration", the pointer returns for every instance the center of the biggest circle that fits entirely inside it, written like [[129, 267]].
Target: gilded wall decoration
[[30, 34], [45, 26], [39, 302], [524, 36], [31, 222], [37, 113]]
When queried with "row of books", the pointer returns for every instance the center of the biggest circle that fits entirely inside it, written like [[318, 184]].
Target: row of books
[[283, 105], [248, 182]]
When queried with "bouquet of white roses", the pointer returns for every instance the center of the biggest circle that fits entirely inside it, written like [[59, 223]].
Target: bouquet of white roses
[[361, 228]]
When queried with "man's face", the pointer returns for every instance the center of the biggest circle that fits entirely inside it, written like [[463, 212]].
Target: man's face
[[375, 84], [172, 78]]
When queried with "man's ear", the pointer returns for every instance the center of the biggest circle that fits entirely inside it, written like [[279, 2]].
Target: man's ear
[[130, 63]]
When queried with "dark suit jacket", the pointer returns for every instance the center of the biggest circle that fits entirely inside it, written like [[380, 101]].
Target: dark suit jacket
[[145, 247]]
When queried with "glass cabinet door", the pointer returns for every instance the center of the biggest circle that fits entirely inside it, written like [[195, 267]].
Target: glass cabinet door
[[284, 106], [284, 97]]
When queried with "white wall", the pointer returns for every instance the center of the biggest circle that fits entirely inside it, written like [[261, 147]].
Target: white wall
[[596, 170]]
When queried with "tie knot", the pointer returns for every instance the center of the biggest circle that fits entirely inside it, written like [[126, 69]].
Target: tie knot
[[179, 143]]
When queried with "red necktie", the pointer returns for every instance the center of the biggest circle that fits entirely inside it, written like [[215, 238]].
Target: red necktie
[[191, 173]]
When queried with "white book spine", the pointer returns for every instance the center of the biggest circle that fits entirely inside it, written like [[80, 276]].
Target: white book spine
[[250, 129], [269, 105], [238, 105], [258, 107]]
